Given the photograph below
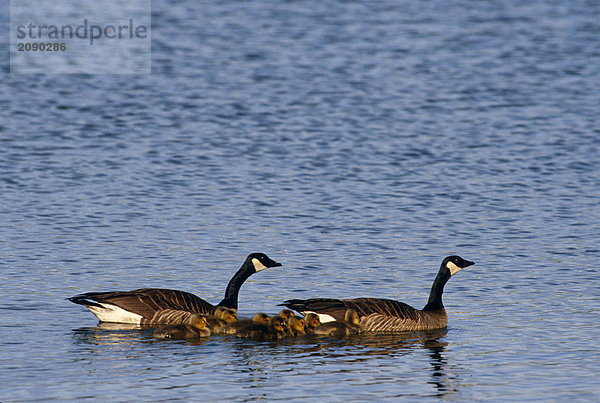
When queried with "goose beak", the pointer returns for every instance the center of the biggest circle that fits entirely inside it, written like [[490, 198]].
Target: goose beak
[[259, 266], [455, 268], [272, 263]]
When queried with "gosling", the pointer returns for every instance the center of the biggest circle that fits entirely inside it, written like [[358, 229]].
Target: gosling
[[195, 327], [221, 318], [286, 314], [233, 327], [312, 321], [351, 325], [296, 327], [273, 331]]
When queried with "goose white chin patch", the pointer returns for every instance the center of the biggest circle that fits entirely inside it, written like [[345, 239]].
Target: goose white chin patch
[[114, 314], [453, 268], [258, 266]]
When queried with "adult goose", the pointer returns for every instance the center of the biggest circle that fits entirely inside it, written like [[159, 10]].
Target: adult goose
[[385, 315], [146, 305]]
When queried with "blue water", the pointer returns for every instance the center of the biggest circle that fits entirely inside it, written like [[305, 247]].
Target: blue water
[[356, 143]]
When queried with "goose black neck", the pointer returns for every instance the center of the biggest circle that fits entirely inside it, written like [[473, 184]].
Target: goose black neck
[[233, 288], [437, 289]]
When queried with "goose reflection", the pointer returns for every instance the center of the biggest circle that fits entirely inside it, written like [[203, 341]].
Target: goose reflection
[[105, 333], [332, 356], [113, 333], [439, 377]]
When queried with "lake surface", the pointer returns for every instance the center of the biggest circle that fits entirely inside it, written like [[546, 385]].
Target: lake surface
[[356, 143]]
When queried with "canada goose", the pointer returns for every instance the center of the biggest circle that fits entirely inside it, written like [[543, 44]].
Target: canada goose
[[193, 328], [312, 321], [221, 318], [385, 315], [273, 331], [350, 325], [233, 327], [296, 327], [139, 306]]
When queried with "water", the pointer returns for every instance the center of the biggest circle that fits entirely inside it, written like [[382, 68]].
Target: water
[[356, 143]]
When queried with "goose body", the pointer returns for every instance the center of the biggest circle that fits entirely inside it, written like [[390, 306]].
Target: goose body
[[167, 317], [350, 325], [142, 306], [194, 327], [385, 315]]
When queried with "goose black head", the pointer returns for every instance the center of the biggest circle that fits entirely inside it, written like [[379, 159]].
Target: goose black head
[[455, 264], [260, 261]]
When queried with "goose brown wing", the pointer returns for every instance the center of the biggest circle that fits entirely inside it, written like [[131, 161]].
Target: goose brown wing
[[383, 307], [147, 301], [384, 315], [168, 317], [364, 307]]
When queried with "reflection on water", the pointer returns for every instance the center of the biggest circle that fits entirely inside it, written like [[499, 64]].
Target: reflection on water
[[112, 333], [118, 326], [260, 364], [323, 356], [331, 357], [439, 377]]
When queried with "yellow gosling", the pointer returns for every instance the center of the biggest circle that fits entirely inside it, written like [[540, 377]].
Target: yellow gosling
[[296, 327], [222, 317], [286, 314], [195, 327], [312, 321], [273, 331], [233, 327], [351, 325]]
